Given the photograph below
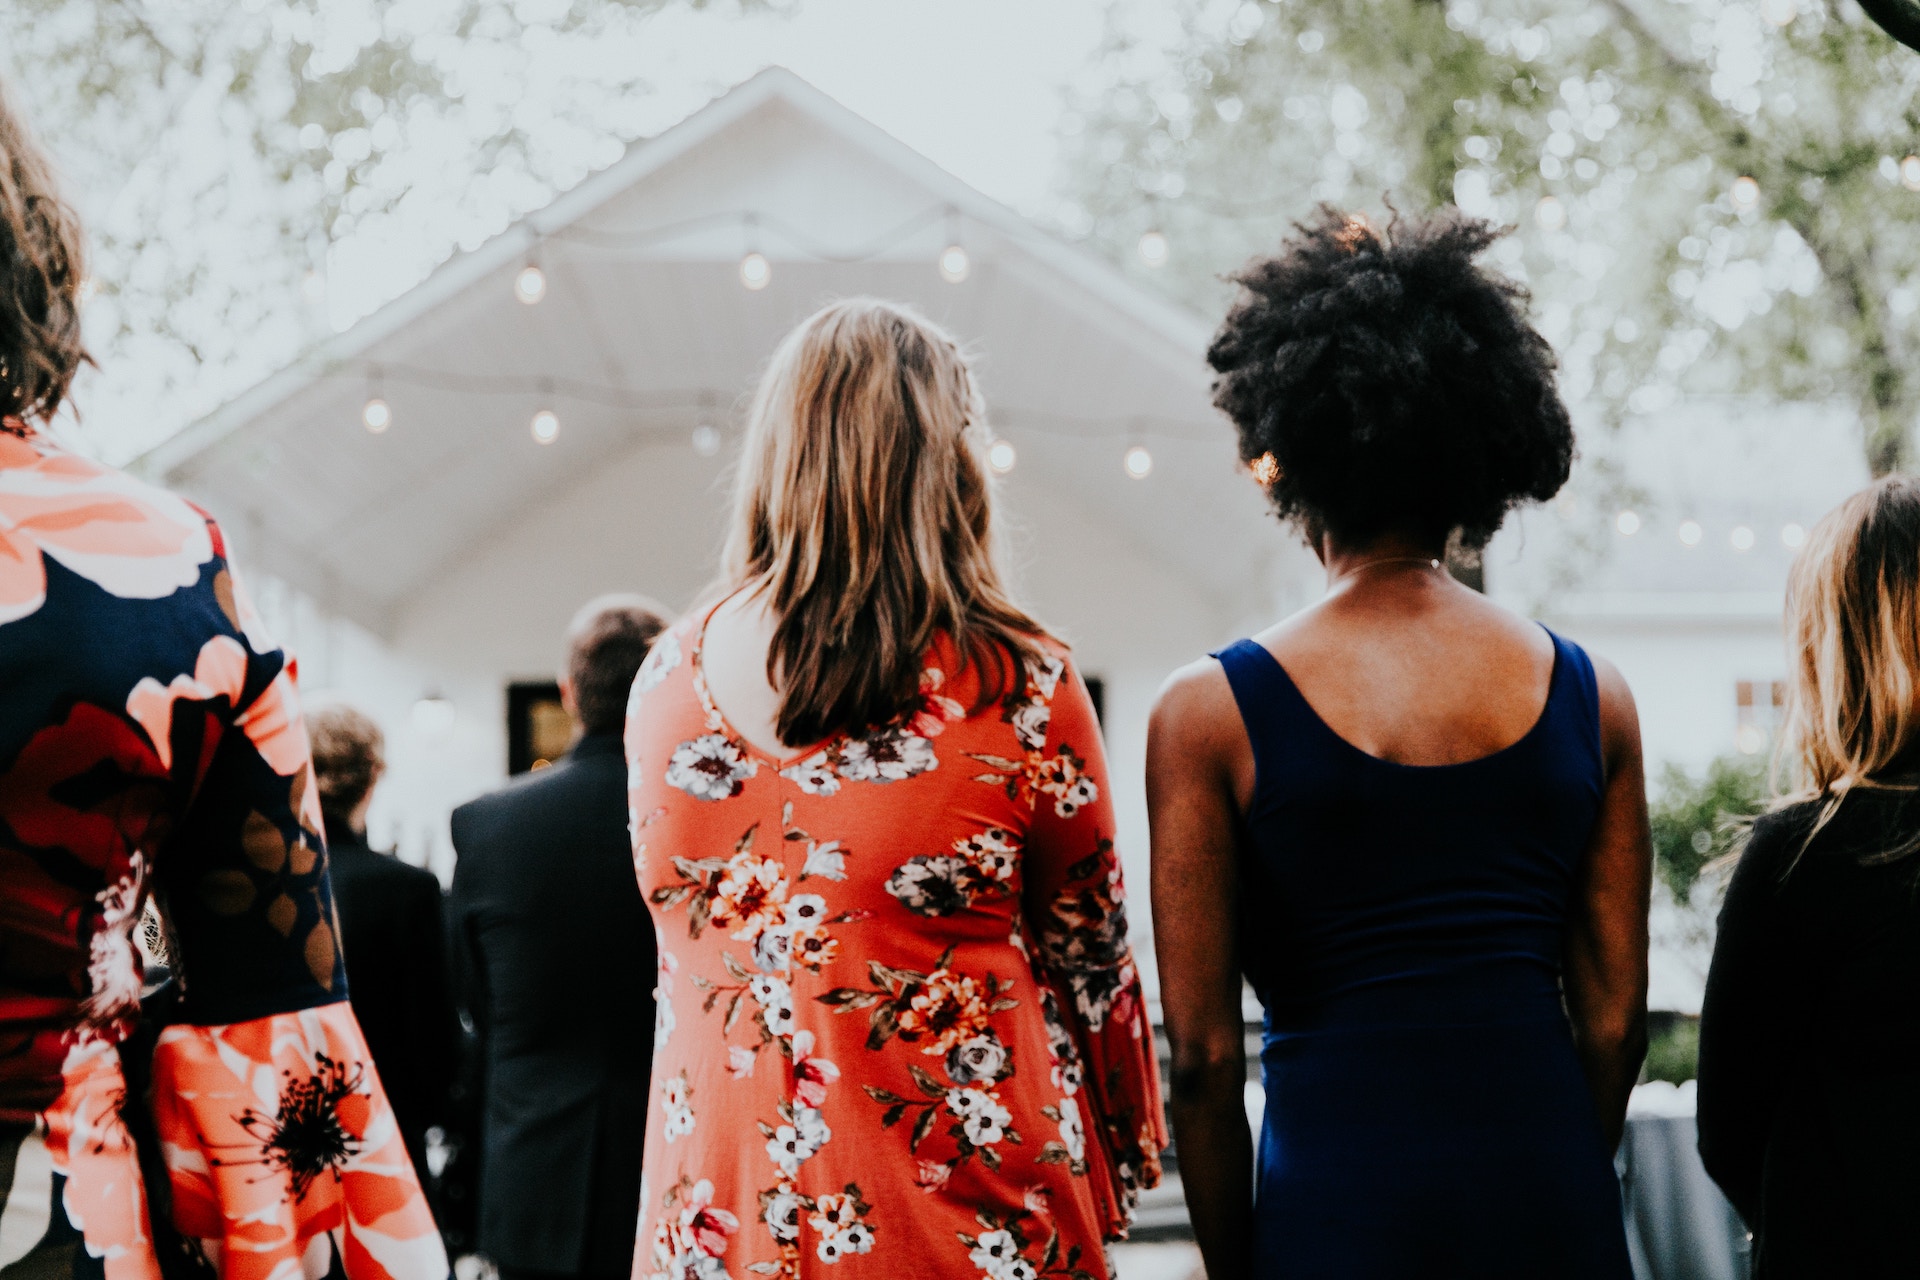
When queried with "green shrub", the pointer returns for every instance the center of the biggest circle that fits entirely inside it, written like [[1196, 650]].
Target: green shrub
[[1673, 1049], [1696, 820]]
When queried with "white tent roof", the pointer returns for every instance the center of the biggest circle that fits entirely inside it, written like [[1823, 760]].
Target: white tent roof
[[646, 330]]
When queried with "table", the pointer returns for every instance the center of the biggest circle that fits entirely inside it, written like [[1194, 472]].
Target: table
[[1679, 1226]]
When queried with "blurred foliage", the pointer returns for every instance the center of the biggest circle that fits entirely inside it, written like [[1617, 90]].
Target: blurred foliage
[[1710, 193], [1699, 819], [219, 151], [1673, 1050]]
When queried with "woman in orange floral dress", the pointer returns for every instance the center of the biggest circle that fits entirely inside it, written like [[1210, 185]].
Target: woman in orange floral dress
[[899, 1027], [151, 748]]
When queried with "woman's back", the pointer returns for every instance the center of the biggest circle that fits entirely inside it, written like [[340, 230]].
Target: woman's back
[[1425, 1107], [1810, 1040]]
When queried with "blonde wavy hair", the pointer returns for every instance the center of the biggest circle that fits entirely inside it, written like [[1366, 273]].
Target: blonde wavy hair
[[864, 512], [1853, 634]]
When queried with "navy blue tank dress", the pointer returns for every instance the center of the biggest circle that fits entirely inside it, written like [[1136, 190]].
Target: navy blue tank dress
[[1426, 1114]]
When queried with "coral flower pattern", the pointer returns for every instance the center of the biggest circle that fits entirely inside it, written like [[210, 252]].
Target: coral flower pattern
[[152, 751], [900, 992]]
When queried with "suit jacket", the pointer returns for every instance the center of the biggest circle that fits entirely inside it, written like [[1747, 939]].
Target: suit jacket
[[395, 949], [556, 962]]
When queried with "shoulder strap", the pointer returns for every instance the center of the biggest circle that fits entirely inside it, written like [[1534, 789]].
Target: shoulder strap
[[1265, 695], [1573, 680]]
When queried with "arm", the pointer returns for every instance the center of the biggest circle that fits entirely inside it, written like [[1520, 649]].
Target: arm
[[1754, 1003], [1192, 805], [1605, 976], [277, 1130], [1075, 912], [436, 1026]]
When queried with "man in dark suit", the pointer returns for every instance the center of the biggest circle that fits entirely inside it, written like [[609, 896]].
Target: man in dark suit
[[555, 954], [390, 933]]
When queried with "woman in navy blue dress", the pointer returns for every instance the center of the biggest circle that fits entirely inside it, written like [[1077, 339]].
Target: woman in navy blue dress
[[1414, 821]]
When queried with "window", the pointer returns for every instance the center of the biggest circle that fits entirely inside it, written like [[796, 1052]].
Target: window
[[1759, 707]]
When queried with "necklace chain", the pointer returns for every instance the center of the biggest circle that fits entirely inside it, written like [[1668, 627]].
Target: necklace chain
[[1432, 562]]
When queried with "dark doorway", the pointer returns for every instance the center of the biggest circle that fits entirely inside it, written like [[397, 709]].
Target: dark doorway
[[538, 728]]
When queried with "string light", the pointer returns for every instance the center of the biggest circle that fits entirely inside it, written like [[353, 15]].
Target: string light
[[1627, 522], [1550, 213], [1779, 12], [545, 426], [1001, 457], [755, 271], [1266, 469], [531, 284], [1792, 535], [1745, 193], [954, 263], [1690, 533], [1750, 738], [1138, 462], [1741, 539], [1153, 248], [706, 440], [1910, 173], [375, 416]]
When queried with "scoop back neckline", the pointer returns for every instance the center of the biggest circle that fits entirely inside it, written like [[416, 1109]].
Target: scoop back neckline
[[1533, 731]]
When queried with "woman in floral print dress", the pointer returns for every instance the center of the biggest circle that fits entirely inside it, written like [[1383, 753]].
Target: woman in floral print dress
[[899, 1027], [151, 749]]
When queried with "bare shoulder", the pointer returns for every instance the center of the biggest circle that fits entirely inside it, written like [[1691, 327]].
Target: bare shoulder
[[1195, 707], [1619, 717]]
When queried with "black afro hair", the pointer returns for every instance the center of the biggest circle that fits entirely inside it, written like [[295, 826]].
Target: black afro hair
[[1385, 382]]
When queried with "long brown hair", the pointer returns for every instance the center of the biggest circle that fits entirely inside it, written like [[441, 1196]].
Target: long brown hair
[[1853, 632], [42, 262], [864, 513]]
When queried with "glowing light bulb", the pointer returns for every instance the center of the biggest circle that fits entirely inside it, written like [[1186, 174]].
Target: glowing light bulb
[[375, 415], [1550, 213], [1266, 469], [546, 426], [1910, 173], [1779, 12], [1627, 522], [1153, 248], [1792, 535], [1690, 533], [954, 263], [1750, 739], [530, 285], [1741, 539], [1001, 457], [706, 440], [755, 271], [1745, 193], [1139, 462]]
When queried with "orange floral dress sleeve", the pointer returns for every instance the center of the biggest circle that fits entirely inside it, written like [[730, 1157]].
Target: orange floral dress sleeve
[[1076, 915]]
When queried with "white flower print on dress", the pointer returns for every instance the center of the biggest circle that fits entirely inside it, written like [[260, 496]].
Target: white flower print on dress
[[794, 1144], [773, 951], [659, 664], [827, 860], [710, 767], [676, 1108], [886, 755], [814, 775], [740, 1061], [663, 1020], [783, 1216], [1071, 1135], [992, 1251]]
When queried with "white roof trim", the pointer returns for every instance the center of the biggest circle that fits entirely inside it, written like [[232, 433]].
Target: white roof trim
[[1180, 328]]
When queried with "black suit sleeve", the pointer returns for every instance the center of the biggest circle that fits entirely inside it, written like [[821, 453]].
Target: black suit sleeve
[[436, 1027], [1753, 1020]]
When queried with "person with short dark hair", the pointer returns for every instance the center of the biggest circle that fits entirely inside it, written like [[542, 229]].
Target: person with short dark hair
[[555, 955], [391, 931], [1414, 821]]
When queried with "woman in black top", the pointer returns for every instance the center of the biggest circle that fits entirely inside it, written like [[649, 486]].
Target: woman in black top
[[1810, 1035]]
